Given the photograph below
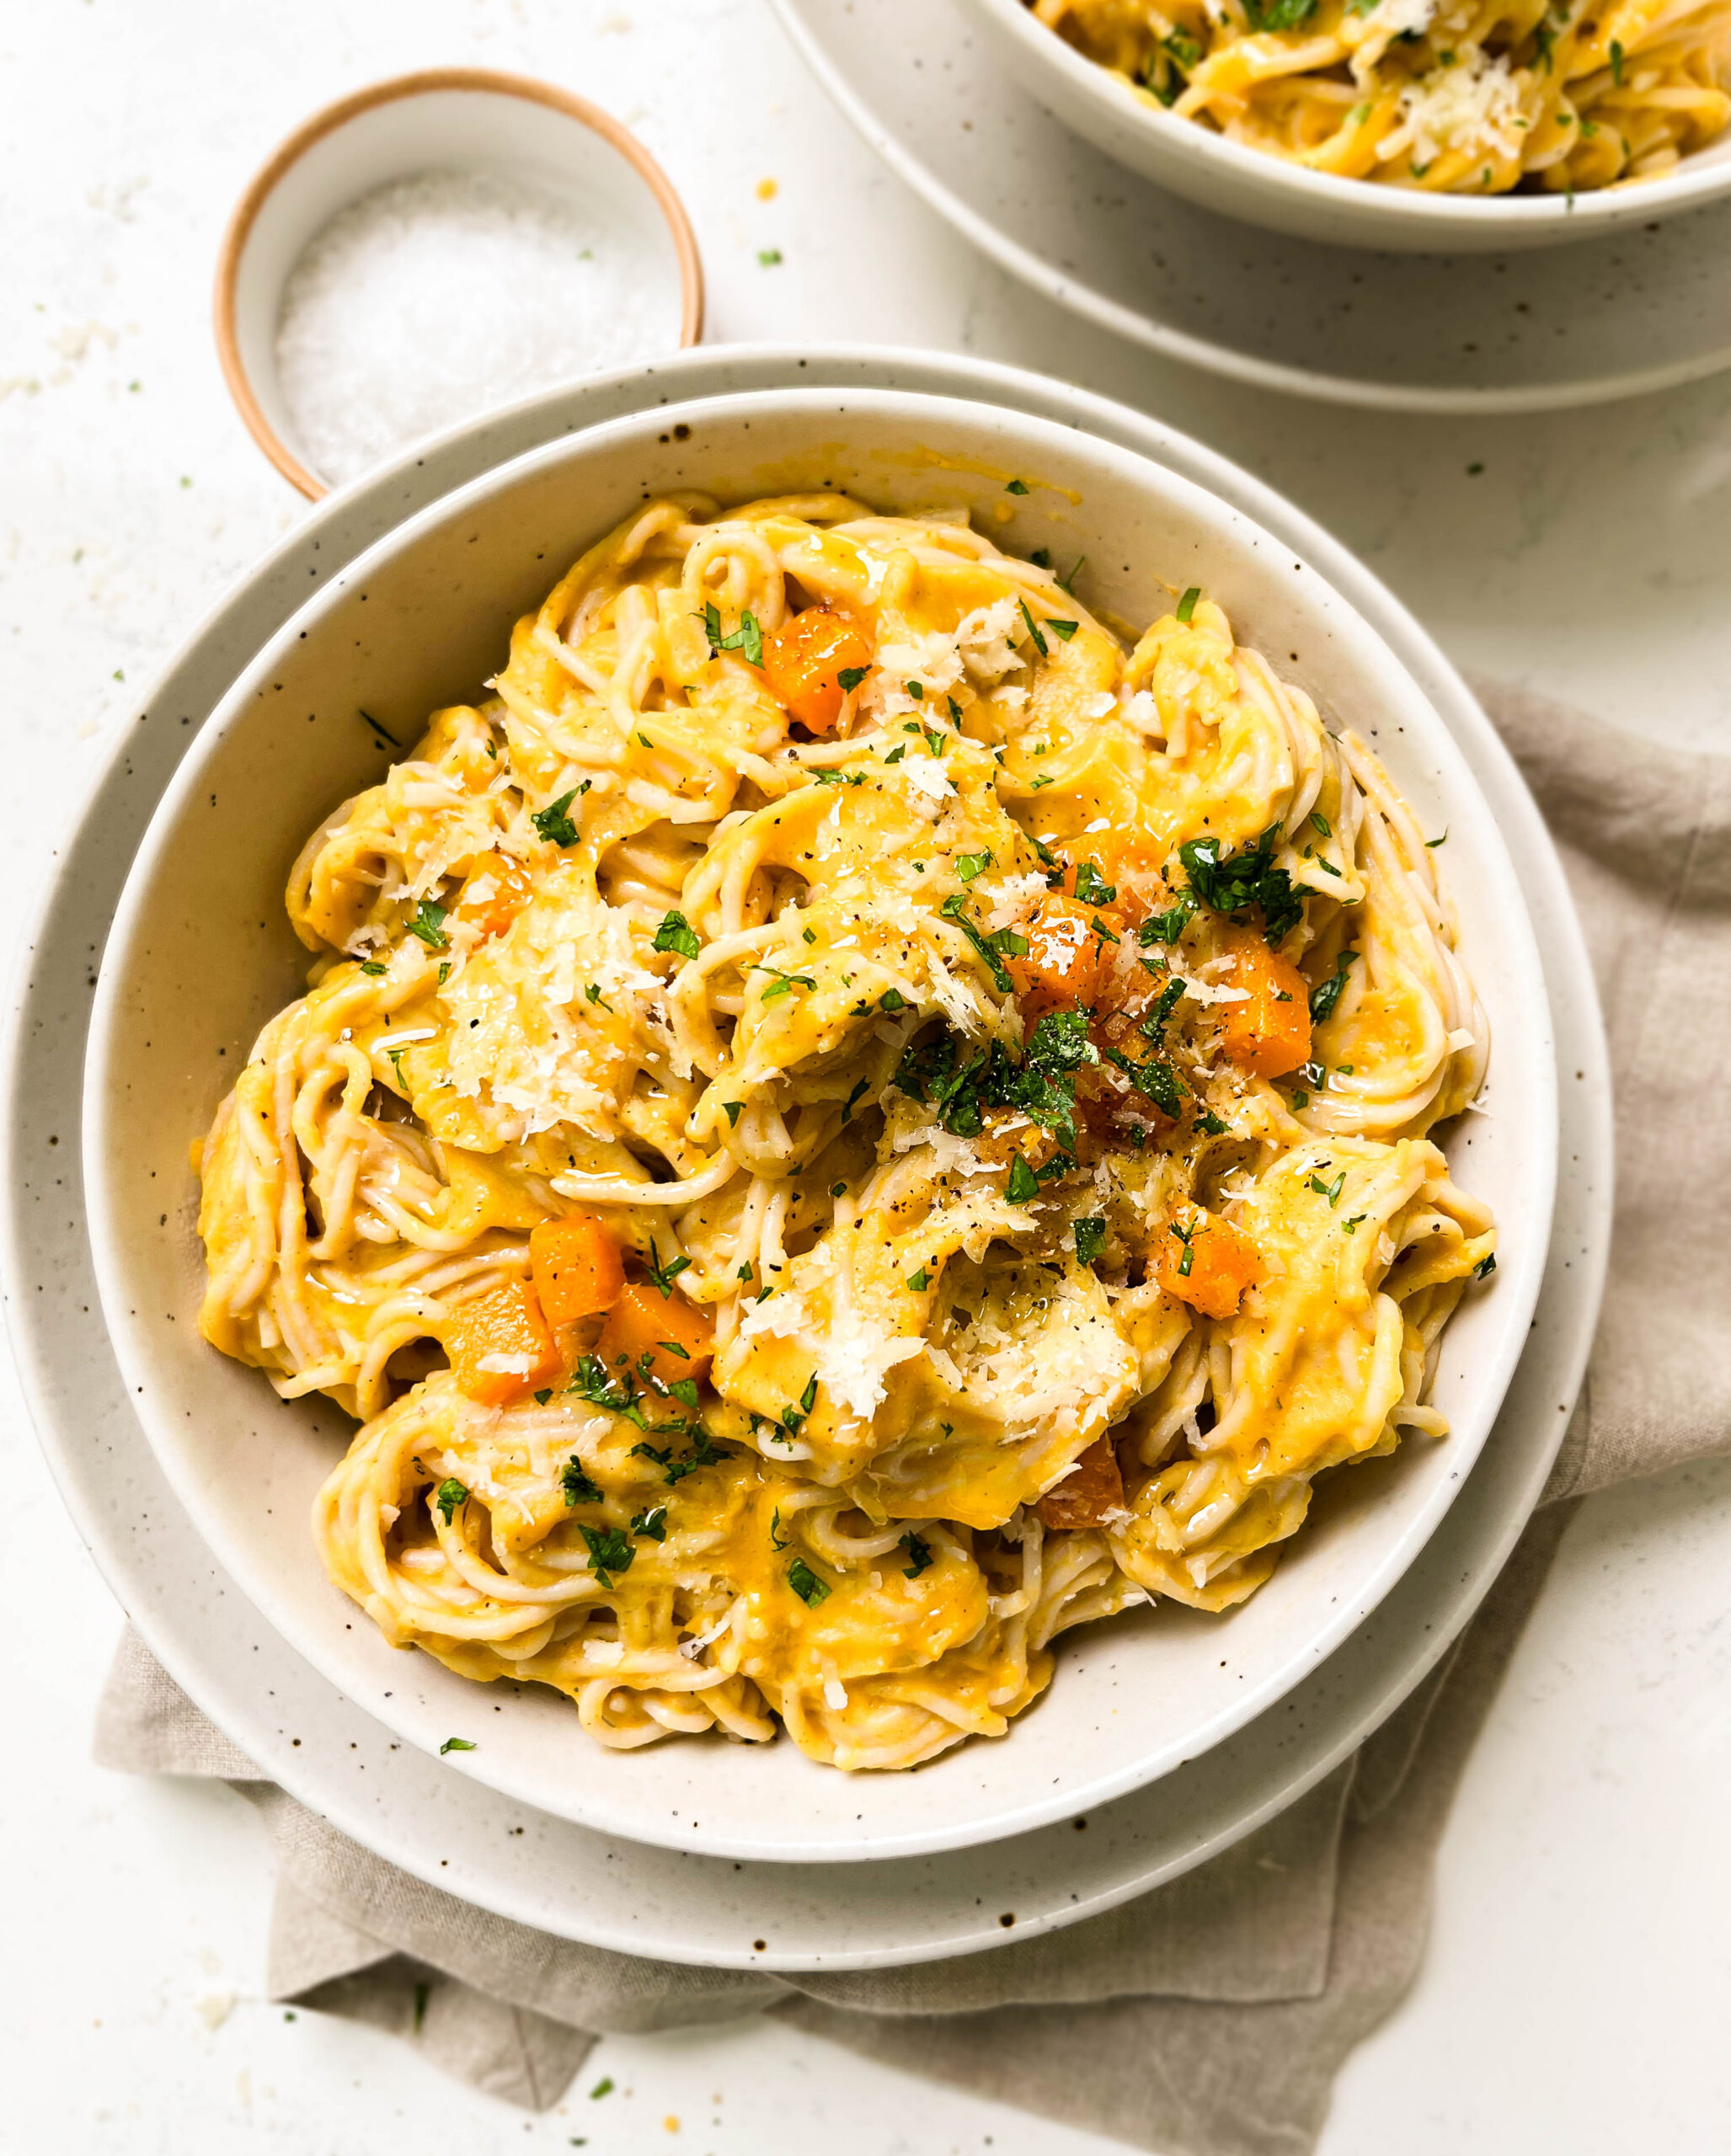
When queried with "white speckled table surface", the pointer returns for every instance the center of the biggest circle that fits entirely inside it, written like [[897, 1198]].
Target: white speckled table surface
[[1571, 1995]]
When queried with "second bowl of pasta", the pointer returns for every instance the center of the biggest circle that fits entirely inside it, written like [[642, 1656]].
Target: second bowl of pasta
[[837, 1063], [1421, 125]]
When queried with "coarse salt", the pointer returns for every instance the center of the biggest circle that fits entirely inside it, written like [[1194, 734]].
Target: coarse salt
[[448, 294]]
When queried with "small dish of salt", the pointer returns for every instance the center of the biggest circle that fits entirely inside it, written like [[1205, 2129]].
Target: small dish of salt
[[437, 246]]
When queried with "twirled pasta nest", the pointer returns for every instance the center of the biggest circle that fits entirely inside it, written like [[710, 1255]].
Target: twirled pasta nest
[[845, 1122]]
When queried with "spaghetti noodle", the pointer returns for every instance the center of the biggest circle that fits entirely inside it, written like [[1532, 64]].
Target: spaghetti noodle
[[1451, 96], [844, 1123]]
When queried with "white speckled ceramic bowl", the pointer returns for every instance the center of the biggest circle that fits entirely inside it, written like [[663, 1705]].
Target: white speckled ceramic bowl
[[1205, 168], [201, 955]]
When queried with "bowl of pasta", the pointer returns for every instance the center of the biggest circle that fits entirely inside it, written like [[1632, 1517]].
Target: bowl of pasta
[[856, 1066], [1418, 125]]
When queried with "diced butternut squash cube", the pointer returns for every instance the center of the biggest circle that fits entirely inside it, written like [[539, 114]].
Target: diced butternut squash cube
[[657, 1338], [1204, 1262], [1093, 1488], [1062, 965], [1126, 864], [494, 892], [1268, 1032], [499, 1346], [804, 662], [577, 1267]]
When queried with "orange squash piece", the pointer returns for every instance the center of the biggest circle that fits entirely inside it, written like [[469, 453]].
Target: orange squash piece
[[499, 1346], [1204, 1262], [1062, 965], [659, 1337], [803, 660], [1093, 1488], [494, 892], [576, 1266], [1269, 1032]]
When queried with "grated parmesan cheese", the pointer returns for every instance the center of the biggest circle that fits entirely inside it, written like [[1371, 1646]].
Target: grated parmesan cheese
[[1474, 106]]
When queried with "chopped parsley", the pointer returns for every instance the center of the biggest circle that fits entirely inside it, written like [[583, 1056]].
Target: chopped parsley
[[1023, 1183], [892, 1000], [1016, 486], [1279, 14], [782, 984], [990, 949], [1331, 1191], [850, 678], [1092, 888], [1486, 1266], [455, 1744], [748, 637], [578, 1486], [919, 1555], [1351, 1227], [806, 1584], [1153, 1026], [676, 933], [1064, 629], [970, 865], [451, 1494], [1233, 883], [858, 1094], [1041, 558], [1042, 1085], [1039, 642], [1326, 992], [372, 966], [610, 1551], [675, 1467], [664, 1276], [733, 1109], [651, 1524], [1155, 1081], [553, 823], [592, 1381], [1090, 1238], [1320, 824], [919, 1281], [429, 923], [1167, 927], [1187, 605]]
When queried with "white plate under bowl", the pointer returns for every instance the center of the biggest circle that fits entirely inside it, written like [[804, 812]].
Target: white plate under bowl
[[1207, 169], [201, 955], [1643, 308], [455, 1834]]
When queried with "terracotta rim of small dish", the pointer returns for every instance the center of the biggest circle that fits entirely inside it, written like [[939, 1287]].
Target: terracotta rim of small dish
[[333, 116]]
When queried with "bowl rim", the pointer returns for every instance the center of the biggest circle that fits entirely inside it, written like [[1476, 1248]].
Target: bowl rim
[[1152, 1763], [328, 119], [1573, 215]]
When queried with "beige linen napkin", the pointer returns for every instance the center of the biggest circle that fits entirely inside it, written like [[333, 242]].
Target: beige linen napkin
[[1210, 2017]]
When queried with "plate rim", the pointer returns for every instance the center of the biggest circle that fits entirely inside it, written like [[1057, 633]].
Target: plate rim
[[539, 418], [795, 18]]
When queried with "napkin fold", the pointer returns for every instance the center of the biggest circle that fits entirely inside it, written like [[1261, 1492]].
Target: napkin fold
[[1210, 2017]]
